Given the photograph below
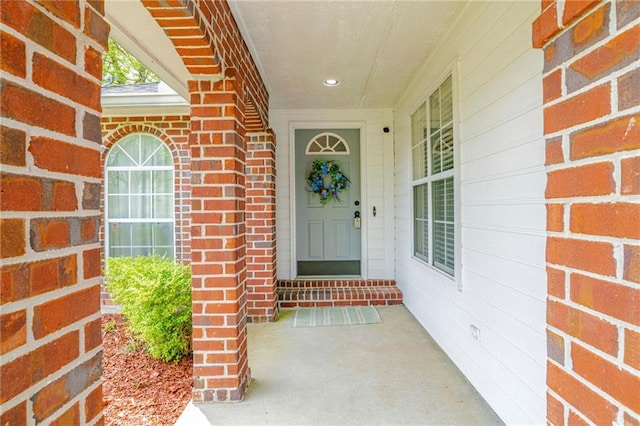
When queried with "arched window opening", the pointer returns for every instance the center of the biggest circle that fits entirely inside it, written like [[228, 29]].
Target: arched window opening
[[139, 202]]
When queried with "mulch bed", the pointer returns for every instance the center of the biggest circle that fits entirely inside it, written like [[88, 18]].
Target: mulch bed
[[137, 389]]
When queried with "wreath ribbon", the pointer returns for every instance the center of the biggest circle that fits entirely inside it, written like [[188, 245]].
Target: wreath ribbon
[[325, 188]]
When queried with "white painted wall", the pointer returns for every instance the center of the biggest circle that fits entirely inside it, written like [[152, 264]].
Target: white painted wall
[[376, 181], [501, 284]]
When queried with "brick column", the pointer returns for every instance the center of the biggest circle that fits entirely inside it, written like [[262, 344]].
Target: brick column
[[261, 227], [592, 124], [221, 371], [50, 333]]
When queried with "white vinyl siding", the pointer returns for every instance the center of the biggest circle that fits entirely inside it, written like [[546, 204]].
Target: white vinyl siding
[[500, 208], [433, 182], [139, 207]]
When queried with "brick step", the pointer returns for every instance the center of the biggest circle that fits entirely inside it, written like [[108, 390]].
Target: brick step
[[306, 296]]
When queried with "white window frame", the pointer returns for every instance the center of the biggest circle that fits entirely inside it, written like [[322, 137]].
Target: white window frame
[[108, 222], [454, 172]]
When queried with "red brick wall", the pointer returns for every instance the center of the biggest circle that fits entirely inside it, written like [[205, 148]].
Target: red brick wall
[[173, 130], [262, 303], [234, 53], [592, 124], [50, 184], [261, 227]]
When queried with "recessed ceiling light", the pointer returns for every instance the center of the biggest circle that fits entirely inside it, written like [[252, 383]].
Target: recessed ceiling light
[[331, 82]]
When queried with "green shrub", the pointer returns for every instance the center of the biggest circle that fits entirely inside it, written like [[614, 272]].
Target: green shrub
[[155, 293]]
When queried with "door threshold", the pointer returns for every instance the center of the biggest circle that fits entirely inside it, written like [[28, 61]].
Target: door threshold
[[329, 277]]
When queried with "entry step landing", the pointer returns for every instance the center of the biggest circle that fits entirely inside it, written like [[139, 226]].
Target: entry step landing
[[313, 293]]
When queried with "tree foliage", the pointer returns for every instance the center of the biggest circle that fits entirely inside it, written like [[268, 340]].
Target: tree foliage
[[120, 67]]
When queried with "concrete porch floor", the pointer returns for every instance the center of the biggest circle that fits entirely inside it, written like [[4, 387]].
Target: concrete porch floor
[[390, 373]]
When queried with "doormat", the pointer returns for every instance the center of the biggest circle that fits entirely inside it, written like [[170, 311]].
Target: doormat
[[344, 315]]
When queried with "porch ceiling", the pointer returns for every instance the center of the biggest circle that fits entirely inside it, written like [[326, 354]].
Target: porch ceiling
[[373, 47]]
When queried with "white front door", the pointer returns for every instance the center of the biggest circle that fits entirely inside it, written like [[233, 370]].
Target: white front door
[[328, 237]]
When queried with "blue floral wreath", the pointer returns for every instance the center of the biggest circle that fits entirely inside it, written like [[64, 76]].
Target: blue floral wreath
[[316, 180]]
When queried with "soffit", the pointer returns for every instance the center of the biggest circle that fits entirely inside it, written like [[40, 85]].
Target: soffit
[[135, 29], [373, 47]]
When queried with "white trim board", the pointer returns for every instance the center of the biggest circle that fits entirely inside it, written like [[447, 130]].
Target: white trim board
[[377, 183], [293, 126]]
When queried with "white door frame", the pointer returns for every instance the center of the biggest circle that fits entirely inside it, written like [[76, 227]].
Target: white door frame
[[360, 125]]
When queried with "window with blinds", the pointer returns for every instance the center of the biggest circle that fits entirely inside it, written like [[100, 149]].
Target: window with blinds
[[433, 180]]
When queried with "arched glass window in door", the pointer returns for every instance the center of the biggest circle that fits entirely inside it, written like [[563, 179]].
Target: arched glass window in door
[[327, 143], [139, 211]]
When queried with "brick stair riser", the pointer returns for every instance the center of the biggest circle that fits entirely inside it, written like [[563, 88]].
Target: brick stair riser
[[298, 297]]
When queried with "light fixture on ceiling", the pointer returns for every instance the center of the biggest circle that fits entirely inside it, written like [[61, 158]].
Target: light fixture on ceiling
[[330, 82]]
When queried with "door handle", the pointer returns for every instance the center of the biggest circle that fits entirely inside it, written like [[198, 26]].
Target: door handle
[[356, 220]]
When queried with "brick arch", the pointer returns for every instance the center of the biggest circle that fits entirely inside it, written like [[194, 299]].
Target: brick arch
[[207, 38], [182, 184], [184, 26], [126, 130]]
